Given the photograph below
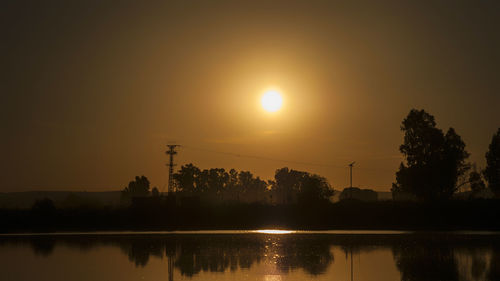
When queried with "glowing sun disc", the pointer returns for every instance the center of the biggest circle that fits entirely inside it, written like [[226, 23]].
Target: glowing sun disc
[[271, 101]]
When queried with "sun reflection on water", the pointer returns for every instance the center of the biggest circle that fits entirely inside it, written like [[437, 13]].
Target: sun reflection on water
[[273, 231], [274, 277]]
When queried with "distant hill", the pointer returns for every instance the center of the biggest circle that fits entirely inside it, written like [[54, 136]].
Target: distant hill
[[23, 200]]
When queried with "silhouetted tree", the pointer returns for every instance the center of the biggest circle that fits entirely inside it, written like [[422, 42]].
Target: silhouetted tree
[[155, 192], [187, 179], [492, 171], [137, 188], [215, 185], [252, 188], [245, 179], [292, 186], [233, 188], [434, 161], [476, 181], [314, 189], [454, 159], [287, 184], [43, 206]]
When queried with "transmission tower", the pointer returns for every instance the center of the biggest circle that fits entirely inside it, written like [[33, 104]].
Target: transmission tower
[[171, 152]]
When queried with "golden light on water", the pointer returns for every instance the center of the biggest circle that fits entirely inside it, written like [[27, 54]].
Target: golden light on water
[[271, 100], [274, 277], [274, 231]]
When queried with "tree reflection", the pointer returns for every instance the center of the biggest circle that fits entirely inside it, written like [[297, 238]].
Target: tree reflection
[[417, 257], [43, 246], [494, 271], [140, 250], [426, 263], [314, 256], [217, 254], [192, 254]]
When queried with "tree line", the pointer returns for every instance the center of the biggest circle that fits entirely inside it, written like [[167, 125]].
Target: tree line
[[216, 185], [435, 167]]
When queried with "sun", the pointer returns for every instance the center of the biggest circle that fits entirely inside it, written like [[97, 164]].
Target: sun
[[271, 100]]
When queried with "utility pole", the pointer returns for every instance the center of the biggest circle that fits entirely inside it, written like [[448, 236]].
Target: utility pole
[[171, 152], [350, 175]]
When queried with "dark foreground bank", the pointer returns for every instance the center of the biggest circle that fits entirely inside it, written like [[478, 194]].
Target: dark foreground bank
[[165, 215]]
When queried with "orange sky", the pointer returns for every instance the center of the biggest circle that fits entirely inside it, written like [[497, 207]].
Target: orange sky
[[92, 93]]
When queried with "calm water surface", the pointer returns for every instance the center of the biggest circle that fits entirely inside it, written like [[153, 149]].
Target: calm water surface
[[251, 255]]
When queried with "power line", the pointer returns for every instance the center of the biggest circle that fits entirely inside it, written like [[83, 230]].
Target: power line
[[279, 160], [263, 158]]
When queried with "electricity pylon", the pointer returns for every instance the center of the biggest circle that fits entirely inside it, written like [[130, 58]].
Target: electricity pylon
[[171, 152]]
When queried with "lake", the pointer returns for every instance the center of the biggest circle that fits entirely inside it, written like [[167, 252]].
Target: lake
[[251, 255]]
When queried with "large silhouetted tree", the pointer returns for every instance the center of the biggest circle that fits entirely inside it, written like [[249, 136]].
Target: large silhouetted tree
[[434, 160], [136, 188], [286, 184], [291, 186], [314, 189], [492, 171]]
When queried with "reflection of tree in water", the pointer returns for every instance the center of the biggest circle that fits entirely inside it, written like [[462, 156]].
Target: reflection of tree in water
[[313, 255], [220, 253], [473, 263], [418, 257], [425, 262], [43, 246], [217, 253], [449, 258], [288, 252], [140, 250], [494, 271]]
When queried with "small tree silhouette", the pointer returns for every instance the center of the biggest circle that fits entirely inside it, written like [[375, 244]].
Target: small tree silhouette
[[155, 192], [137, 188], [43, 206]]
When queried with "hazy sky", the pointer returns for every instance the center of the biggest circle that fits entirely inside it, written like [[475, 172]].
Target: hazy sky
[[92, 91]]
